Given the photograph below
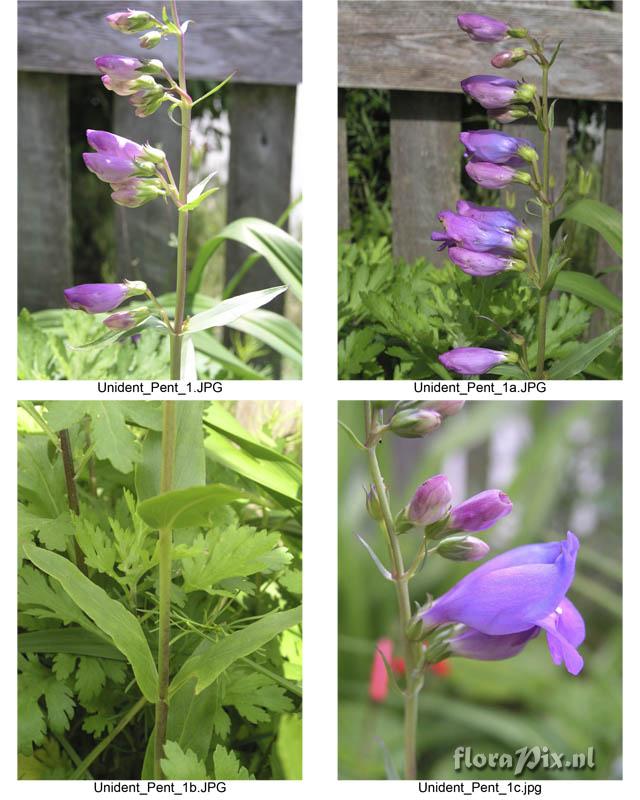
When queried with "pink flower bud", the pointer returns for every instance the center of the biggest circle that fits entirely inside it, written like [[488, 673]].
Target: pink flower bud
[[431, 501]]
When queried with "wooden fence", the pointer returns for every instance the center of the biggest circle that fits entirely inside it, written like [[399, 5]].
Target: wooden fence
[[415, 49], [258, 39]]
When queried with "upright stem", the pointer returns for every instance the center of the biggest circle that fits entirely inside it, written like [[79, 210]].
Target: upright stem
[[546, 227], [164, 587], [183, 216], [72, 494], [410, 648]]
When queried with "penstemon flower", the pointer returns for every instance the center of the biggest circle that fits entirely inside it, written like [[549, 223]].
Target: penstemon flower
[[492, 91], [124, 320], [483, 29], [495, 176], [479, 236], [475, 360], [97, 297], [483, 264], [431, 501], [518, 591], [132, 21], [490, 215], [497, 147], [481, 511]]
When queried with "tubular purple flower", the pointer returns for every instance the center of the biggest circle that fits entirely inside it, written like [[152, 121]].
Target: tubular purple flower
[[492, 91], [415, 423], [494, 176], [494, 146], [474, 360], [473, 235], [123, 320], [523, 588], [489, 215], [481, 265], [431, 501], [114, 145], [135, 192], [122, 68], [480, 511], [109, 169], [483, 29], [96, 297], [469, 643]]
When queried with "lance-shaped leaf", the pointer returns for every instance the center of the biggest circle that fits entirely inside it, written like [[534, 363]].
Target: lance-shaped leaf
[[206, 665], [183, 508], [109, 615], [229, 310]]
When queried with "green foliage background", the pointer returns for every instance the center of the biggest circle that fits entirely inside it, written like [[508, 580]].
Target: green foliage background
[[236, 591], [567, 468]]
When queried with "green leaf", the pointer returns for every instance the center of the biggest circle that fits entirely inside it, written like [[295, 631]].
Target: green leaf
[[72, 640], [189, 463], [34, 682], [226, 766], [108, 614], [211, 347], [229, 310], [583, 355], [274, 330], [52, 533], [255, 696], [289, 746], [184, 508], [590, 289], [90, 679], [178, 765], [193, 204], [604, 219], [230, 553], [208, 664], [280, 249], [199, 188]]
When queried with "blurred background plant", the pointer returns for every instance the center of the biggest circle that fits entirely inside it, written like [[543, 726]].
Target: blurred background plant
[[560, 462]]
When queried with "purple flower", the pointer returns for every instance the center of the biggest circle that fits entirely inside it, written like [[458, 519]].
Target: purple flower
[[473, 235], [430, 501], [119, 72], [494, 176], [96, 297], [136, 192], [473, 360], [114, 145], [109, 169], [500, 148], [492, 91], [489, 215], [481, 265], [483, 29], [123, 320], [469, 643], [480, 511], [414, 423], [517, 591]]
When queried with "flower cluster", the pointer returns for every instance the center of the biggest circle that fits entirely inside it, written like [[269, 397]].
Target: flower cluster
[[96, 298], [485, 241], [130, 77]]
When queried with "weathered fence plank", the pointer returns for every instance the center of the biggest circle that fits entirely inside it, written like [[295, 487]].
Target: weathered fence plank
[[142, 234], [344, 215], [409, 44], [425, 171], [261, 119], [260, 40], [44, 199]]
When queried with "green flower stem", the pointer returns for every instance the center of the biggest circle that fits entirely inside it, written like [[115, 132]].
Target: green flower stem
[[546, 227], [164, 588], [102, 745], [401, 581], [183, 216]]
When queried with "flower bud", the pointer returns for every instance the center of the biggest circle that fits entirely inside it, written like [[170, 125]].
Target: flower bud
[[154, 154], [463, 548], [147, 102], [475, 360], [136, 192], [152, 66], [372, 502], [413, 424], [431, 501], [481, 28], [150, 40], [447, 408], [123, 320], [415, 629], [518, 33], [493, 176], [480, 511], [527, 153], [131, 21], [508, 114], [508, 58]]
